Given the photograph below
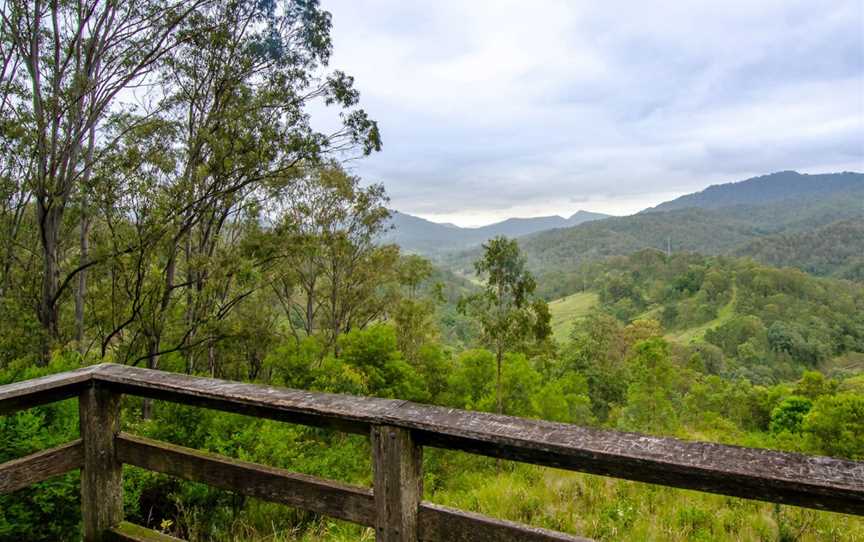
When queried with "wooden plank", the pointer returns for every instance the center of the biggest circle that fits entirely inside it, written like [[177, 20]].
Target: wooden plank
[[343, 412], [815, 482], [129, 532], [397, 465], [326, 497], [34, 468], [810, 481], [335, 499], [441, 523], [101, 477], [47, 389]]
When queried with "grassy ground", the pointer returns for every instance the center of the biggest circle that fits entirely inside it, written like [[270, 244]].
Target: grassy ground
[[605, 509], [567, 310], [694, 334], [608, 509]]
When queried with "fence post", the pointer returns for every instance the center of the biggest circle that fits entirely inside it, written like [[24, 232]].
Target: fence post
[[101, 477], [397, 464]]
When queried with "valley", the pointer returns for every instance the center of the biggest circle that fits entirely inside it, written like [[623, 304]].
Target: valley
[[228, 314]]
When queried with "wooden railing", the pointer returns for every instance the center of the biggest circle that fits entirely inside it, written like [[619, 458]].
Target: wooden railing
[[398, 431]]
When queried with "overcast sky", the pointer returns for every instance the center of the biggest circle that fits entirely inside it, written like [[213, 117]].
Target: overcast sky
[[492, 109]]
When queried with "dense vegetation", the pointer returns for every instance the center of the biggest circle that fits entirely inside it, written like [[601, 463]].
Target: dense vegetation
[[747, 229], [214, 231], [759, 378], [833, 250]]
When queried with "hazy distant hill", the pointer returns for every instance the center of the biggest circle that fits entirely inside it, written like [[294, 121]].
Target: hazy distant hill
[[766, 189], [416, 234], [835, 249], [715, 229]]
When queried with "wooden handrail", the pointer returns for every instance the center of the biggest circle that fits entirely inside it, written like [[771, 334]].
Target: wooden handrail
[[399, 430]]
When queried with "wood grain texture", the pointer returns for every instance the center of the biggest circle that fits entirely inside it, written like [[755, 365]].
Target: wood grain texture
[[441, 523], [335, 499], [47, 389], [397, 468], [129, 532], [101, 476], [815, 482], [38, 467]]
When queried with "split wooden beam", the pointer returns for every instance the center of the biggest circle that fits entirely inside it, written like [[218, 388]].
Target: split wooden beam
[[101, 476], [397, 471]]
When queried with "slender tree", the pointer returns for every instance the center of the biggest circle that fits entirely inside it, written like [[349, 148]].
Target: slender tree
[[72, 60], [507, 313]]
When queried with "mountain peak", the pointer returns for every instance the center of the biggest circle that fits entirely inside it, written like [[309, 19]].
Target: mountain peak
[[420, 235], [764, 189]]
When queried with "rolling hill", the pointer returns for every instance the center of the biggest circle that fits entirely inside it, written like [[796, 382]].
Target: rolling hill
[[836, 249], [802, 216], [415, 234], [771, 188]]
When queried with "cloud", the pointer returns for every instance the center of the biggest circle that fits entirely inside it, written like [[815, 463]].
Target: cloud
[[494, 108]]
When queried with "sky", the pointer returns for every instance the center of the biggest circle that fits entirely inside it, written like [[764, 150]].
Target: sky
[[494, 109]]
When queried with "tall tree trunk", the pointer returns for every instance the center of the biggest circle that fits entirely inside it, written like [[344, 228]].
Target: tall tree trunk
[[211, 359], [49, 217], [310, 310], [81, 292], [189, 312], [152, 363]]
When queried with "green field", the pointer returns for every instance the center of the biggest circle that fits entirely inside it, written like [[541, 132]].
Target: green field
[[696, 333], [567, 310]]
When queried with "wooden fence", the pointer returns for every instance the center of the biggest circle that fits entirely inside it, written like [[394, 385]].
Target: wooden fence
[[399, 430]]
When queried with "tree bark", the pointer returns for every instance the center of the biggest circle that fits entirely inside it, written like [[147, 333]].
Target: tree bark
[[49, 217], [81, 292]]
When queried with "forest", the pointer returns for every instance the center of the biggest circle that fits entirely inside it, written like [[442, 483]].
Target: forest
[[166, 201]]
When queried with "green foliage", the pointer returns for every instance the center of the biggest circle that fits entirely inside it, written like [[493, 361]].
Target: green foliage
[[472, 379], [566, 400], [651, 393], [789, 415], [219, 234], [504, 308], [374, 353], [48, 510], [835, 425]]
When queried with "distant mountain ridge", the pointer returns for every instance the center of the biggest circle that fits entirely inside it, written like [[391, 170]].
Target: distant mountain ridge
[[760, 222], [766, 189], [416, 234]]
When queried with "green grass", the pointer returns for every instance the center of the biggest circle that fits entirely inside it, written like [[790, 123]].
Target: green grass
[[606, 509], [697, 333], [567, 310]]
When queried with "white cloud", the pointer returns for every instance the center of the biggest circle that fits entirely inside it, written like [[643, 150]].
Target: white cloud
[[499, 108]]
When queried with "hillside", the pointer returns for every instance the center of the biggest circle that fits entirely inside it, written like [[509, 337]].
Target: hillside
[[568, 310], [712, 231], [766, 322], [415, 234], [835, 249], [765, 189]]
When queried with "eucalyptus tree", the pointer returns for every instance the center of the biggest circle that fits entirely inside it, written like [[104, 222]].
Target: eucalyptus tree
[[240, 92], [508, 315], [235, 118], [413, 312], [334, 274], [70, 61]]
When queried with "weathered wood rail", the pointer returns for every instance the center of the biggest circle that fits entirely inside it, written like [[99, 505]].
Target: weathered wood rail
[[399, 430]]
